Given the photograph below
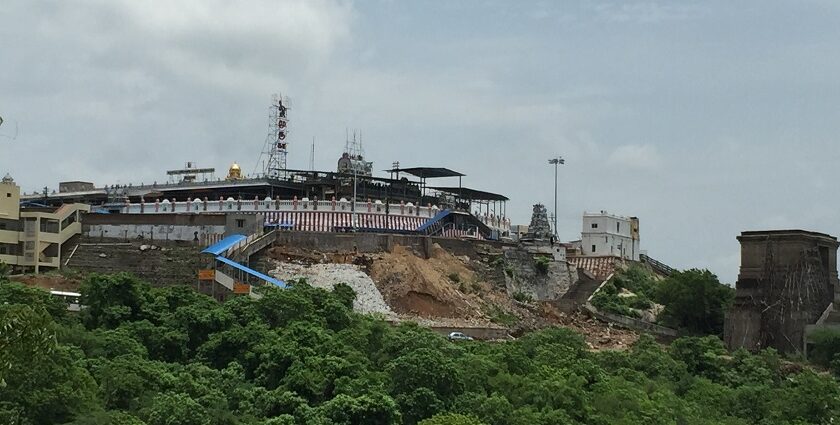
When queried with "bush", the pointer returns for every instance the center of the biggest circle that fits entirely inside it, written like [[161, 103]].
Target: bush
[[522, 297], [509, 272], [542, 265], [634, 279], [825, 346], [455, 277], [695, 301]]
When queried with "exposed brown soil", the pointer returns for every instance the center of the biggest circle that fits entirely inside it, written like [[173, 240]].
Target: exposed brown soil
[[458, 291], [426, 288], [54, 282]]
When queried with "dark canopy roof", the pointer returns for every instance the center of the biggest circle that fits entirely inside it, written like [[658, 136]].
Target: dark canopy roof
[[471, 194], [427, 172]]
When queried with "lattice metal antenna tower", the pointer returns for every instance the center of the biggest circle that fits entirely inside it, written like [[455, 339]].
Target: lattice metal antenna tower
[[276, 146]]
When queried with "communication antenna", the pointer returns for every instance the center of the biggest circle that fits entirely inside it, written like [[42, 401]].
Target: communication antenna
[[276, 146]]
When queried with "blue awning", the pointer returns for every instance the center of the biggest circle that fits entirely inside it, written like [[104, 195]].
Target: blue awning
[[223, 245], [252, 272]]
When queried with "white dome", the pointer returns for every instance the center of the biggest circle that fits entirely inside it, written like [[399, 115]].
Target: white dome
[[409, 204], [267, 199], [305, 200], [230, 199], [165, 201], [342, 200], [378, 202], [196, 201]]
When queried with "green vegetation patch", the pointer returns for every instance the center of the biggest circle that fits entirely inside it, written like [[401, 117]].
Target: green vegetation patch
[[161, 356], [635, 279]]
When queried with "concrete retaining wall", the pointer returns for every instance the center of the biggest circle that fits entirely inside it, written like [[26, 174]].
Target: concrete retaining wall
[[154, 232], [375, 242], [477, 333], [629, 322]]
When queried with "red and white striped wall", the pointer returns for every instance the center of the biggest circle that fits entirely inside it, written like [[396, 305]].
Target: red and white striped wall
[[327, 221]]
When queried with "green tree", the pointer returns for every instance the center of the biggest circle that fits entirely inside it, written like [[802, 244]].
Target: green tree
[[112, 299], [825, 345], [17, 293], [374, 409], [43, 381], [451, 419], [694, 301], [5, 270], [176, 409], [425, 368]]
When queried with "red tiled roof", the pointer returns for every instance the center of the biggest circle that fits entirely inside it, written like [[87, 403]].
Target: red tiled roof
[[601, 267]]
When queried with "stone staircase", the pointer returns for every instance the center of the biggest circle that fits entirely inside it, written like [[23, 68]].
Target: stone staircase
[[579, 293]]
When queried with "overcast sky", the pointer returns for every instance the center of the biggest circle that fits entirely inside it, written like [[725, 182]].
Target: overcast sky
[[702, 118]]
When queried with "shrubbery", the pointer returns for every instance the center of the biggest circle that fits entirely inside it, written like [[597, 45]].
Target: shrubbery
[[694, 300], [154, 356], [634, 279]]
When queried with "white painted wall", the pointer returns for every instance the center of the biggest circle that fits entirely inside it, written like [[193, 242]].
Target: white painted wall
[[608, 234], [155, 232]]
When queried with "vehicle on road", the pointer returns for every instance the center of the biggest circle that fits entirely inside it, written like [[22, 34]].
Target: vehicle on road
[[459, 336]]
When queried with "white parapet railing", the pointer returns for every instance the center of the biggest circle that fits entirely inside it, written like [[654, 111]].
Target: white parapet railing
[[231, 205]]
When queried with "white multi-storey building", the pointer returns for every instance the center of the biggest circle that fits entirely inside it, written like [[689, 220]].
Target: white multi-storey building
[[606, 234]]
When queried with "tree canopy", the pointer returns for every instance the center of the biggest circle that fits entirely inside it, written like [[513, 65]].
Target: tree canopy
[[142, 355], [695, 301]]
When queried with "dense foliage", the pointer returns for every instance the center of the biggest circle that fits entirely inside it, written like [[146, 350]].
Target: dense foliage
[[695, 302], [155, 356], [639, 287]]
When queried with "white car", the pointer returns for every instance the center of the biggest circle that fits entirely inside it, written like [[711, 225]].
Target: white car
[[459, 336]]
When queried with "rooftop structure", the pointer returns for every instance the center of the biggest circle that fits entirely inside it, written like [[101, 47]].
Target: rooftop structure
[[788, 280]]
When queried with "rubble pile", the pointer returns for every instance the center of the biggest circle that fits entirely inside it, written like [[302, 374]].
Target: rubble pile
[[327, 275]]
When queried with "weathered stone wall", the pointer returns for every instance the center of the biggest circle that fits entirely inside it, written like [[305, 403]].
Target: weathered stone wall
[[375, 242], [522, 274], [786, 281], [169, 264]]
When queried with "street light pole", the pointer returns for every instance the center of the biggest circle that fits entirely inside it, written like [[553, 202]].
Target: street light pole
[[556, 161], [355, 219]]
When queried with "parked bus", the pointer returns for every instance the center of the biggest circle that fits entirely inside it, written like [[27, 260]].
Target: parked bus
[[72, 299]]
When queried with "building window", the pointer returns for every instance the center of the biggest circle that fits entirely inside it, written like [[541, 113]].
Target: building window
[[594, 225], [8, 194], [593, 248], [606, 239], [240, 222], [618, 226]]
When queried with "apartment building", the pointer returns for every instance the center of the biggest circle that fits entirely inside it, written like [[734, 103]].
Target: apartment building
[[32, 237], [606, 234]]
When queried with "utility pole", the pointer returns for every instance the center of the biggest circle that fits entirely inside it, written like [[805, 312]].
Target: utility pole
[[556, 162], [355, 220]]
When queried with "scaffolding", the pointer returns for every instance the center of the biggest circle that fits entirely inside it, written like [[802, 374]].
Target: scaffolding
[[276, 144]]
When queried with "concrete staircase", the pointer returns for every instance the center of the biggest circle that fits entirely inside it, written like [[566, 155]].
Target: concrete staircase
[[579, 293]]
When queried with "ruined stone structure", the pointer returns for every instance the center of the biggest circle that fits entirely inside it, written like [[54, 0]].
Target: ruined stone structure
[[787, 281], [539, 229], [546, 282]]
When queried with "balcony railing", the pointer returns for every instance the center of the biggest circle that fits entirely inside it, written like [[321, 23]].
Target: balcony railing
[[230, 205]]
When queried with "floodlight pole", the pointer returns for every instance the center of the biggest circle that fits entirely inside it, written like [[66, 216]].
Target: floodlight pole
[[556, 161], [355, 223]]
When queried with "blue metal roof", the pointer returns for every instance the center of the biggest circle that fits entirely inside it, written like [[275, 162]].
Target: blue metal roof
[[223, 245], [439, 216], [252, 272]]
